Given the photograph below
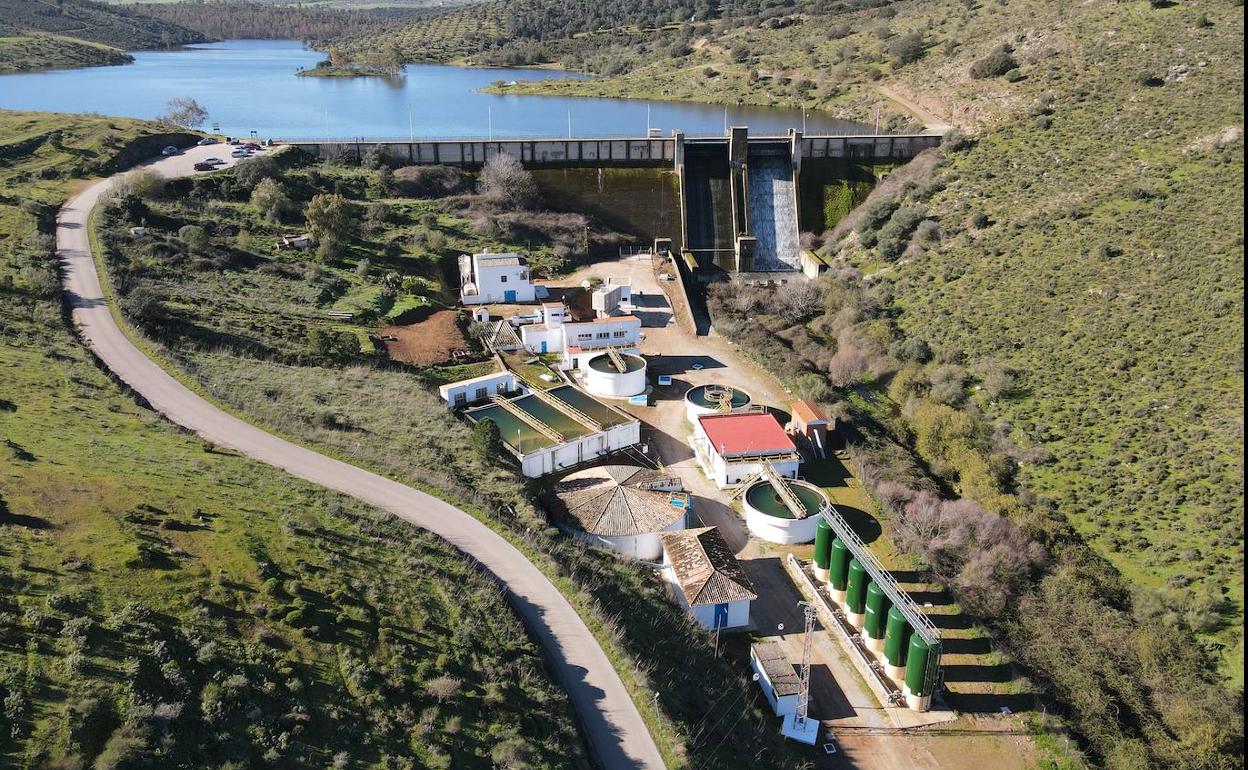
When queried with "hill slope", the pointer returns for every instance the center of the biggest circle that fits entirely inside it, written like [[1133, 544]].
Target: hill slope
[[30, 52], [164, 604], [97, 22]]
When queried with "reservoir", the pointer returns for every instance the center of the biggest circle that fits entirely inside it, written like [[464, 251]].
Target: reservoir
[[251, 85]]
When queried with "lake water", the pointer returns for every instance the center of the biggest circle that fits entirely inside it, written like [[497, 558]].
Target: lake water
[[251, 85]]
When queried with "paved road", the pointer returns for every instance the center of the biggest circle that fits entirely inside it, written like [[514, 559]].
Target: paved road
[[618, 737]]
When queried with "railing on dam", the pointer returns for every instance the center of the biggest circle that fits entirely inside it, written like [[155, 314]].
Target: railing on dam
[[591, 151]]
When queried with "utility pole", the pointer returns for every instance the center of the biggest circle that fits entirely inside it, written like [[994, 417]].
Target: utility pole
[[490, 122]]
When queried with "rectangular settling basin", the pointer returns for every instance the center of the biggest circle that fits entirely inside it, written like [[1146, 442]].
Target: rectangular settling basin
[[514, 432], [592, 408]]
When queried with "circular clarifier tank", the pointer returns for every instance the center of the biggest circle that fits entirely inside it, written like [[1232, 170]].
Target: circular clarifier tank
[[769, 517], [604, 378], [710, 399]]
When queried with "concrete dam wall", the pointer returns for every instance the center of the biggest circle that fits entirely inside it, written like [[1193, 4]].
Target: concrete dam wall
[[734, 203]]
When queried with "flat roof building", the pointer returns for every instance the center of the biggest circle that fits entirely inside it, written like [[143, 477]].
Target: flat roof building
[[485, 278], [552, 430], [733, 447]]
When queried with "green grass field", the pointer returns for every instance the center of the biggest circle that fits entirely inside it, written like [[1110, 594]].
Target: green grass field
[[170, 605]]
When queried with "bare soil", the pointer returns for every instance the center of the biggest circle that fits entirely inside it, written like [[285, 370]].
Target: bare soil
[[428, 343]]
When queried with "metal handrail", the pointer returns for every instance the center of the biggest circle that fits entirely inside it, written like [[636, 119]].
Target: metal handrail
[[919, 621], [527, 419]]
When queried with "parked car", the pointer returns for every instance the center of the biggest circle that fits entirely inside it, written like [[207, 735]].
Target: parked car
[[207, 140], [252, 146], [239, 153], [201, 166], [170, 150], [214, 161]]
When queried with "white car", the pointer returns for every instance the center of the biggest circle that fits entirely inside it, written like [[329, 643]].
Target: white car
[[239, 153], [207, 140], [214, 161]]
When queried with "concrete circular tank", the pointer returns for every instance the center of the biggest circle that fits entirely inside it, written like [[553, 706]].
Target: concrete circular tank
[[603, 377], [713, 398], [769, 518]]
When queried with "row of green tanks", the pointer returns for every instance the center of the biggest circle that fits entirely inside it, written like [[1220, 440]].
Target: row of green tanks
[[906, 657]]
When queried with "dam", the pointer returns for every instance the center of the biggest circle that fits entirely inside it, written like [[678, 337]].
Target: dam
[[732, 204]]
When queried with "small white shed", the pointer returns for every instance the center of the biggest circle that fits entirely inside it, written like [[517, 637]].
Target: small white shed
[[707, 578]]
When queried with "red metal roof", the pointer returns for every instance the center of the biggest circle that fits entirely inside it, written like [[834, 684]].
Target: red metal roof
[[752, 433]]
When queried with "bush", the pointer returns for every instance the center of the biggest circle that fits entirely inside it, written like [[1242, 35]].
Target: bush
[[506, 183], [907, 48], [994, 65], [251, 171], [271, 201]]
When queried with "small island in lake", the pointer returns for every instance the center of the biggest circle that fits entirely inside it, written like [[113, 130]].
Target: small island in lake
[[387, 63]]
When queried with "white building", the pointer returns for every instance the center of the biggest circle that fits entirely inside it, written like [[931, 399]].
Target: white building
[[579, 341], [733, 447], [706, 578], [776, 676], [485, 278], [610, 296], [478, 389], [552, 430], [623, 507]]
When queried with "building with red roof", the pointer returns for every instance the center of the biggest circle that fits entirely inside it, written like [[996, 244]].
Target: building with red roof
[[732, 447]]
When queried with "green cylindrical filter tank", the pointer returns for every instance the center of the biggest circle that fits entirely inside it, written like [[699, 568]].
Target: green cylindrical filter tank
[[878, 605], [823, 543], [856, 592], [917, 661], [896, 638], [838, 565]]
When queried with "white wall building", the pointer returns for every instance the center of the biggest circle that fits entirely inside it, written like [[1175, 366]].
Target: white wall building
[[485, 278], [706, 578], [776, 677], [477, 389], [552, 430], [733, 447], [608, 298], [623, 507], [579, 341]]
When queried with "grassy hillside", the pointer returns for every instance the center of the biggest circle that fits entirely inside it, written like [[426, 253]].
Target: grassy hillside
[[97, 22], [167, 605], [1089, 238], [30, 52]]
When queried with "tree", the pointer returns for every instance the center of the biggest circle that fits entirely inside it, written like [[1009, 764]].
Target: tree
[[330, 222], [505, 182], [994, 65], [486, 440], [185, 112], [251, 171], [270, 200]]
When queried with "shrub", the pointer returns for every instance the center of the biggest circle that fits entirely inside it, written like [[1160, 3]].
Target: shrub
[[994, 65], [251, 171], [271, 200], [432, 181], [506, 183], [194, 236], [906, 48]]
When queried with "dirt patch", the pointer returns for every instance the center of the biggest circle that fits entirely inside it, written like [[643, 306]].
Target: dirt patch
[[430, 342]]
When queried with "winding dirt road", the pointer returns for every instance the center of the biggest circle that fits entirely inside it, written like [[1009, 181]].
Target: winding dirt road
[[617, 735]]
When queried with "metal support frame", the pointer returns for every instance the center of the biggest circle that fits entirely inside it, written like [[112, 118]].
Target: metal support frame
[[803, 696], [528, 419], [919, 621]]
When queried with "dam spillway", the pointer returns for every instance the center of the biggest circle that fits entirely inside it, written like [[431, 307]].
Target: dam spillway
[[737, 195], [771, 205]]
